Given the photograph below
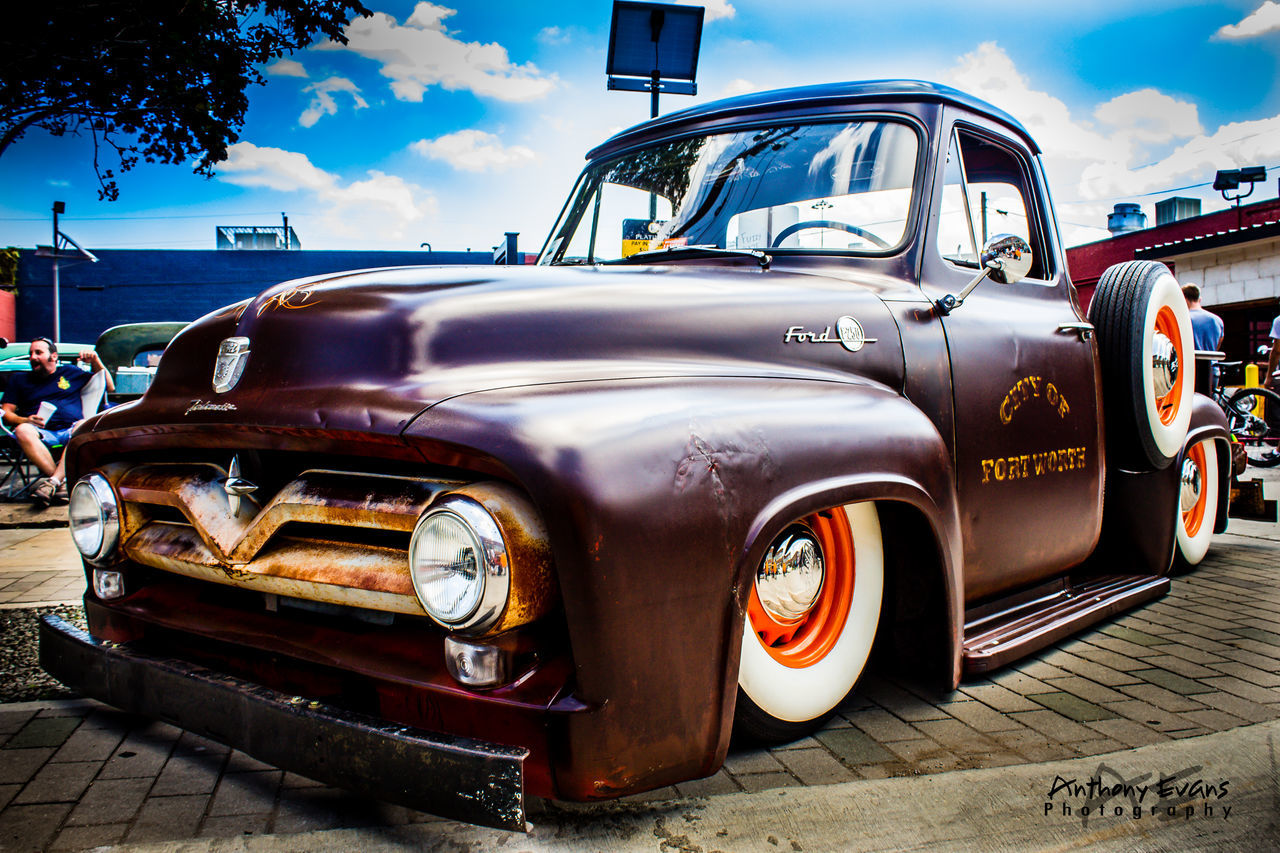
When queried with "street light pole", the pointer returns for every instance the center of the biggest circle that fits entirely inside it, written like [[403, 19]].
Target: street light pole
[[58, 207]]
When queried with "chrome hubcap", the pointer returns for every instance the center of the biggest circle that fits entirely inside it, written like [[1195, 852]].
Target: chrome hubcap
[[1192, 483], [791, 575], [1164, 364]]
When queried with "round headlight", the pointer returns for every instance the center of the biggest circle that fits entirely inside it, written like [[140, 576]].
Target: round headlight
[[458, 562], [95, 517]]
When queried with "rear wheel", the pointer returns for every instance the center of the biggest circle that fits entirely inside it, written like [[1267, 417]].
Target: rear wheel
[[1255, 422], [1198, 501], [1147, 354], [811, 620]]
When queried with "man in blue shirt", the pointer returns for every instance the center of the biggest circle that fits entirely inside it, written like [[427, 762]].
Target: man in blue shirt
[[60, 386], [1206, 327]]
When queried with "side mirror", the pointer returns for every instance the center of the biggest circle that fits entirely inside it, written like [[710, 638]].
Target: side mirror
[[1008, 257]]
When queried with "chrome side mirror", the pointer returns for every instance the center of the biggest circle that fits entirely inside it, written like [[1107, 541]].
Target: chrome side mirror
[[1008, 257]]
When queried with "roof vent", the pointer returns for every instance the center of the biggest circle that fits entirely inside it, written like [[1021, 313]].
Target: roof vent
[[1125, 218]]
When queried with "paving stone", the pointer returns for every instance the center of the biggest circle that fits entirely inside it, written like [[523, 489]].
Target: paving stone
[[1071, 706], [1242, 708], [139, 755], [1161, 698], [7, 793], [1244, 672], [245, 793], [30, 827], [815, 766], [234, 826], [767, 781], [1123, 647], [753, 761], [188, 775], [883, 726], [11, 722], [238, 762], [1054, 726], [1133, 635], [902, 703], [1182, 667], [43, 731], [20, 765], [979, 716], [1087, 690], [1032, 745], [925, 754], [1019, 682], [853, 747], [1128, 732], [713, 785], [998, 697], [1190, 653], [59, 783], [1245, 690], [1114, 666], [1150, 715], [956, 736], [1214, 719], [168, 818], [110, 801], [89, 743], [1173, 682], [1044, 667], [88, 837]]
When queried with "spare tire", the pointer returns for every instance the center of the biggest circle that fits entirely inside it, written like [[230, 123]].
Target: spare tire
[[1148, 363]]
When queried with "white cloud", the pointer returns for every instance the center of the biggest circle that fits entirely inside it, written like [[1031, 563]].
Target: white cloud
[[421, 53], [375, 210], [716, 9], [474, 151], [1265, 19], [324, 104], [286, 68], [1138, 143], [1150, 116], [554, 36], [739, 86]]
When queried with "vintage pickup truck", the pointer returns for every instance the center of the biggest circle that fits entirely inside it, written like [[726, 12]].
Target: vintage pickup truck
[[797, 375]]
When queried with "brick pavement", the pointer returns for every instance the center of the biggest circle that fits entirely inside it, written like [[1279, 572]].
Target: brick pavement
[[1206, 658]]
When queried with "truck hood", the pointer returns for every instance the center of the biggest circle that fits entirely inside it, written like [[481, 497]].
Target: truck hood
[[367, 351]]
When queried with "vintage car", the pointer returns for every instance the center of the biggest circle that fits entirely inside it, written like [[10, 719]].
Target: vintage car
[[797, 374]]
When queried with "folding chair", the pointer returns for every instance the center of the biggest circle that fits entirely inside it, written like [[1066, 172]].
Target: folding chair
[[20, 473]]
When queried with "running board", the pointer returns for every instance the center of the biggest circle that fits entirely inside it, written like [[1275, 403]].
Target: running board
[[995, 639]]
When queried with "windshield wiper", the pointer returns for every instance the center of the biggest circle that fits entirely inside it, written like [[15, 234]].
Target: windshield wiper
[[669, 251]]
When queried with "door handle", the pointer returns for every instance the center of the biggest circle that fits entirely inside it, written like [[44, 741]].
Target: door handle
[[1084, 330]]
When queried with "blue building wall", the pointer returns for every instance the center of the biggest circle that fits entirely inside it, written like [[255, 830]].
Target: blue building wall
[[144, 285]]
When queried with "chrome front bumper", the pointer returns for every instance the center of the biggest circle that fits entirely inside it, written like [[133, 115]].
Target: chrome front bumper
[[454, 777]]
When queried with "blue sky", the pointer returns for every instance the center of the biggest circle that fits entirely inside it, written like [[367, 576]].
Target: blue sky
[[453, 123]]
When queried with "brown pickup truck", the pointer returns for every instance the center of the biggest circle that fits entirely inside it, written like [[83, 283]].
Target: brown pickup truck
[[798, 375]]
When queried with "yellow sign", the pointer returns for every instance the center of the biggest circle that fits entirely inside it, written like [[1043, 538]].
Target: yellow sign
[[1029, 465], [1032, 388]]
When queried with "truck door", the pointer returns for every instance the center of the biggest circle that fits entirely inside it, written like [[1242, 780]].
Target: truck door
[[1027, 430]]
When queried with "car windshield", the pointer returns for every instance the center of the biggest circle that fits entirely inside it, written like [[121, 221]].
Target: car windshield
[[835, 188]]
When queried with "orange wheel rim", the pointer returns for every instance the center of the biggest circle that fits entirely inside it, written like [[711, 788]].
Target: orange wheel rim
[[1194, 517], [1168, 405], [803, 642]]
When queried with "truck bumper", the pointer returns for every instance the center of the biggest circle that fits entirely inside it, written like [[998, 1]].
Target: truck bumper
[[454, 777]]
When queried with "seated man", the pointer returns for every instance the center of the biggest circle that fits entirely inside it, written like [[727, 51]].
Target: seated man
[[47, 382]]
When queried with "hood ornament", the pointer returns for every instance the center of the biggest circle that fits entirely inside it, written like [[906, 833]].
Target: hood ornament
[[235, 486], [232, 355]]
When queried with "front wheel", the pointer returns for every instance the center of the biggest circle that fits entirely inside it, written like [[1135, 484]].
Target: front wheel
[[811, 619], [1254, 414]]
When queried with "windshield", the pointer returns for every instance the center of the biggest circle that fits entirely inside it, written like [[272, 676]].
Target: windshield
[[840, 187]]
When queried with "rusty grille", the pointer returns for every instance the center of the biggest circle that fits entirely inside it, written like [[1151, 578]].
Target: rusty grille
[[309, 541]]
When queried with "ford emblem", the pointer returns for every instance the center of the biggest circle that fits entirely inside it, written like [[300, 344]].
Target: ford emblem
[[232, 354]]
